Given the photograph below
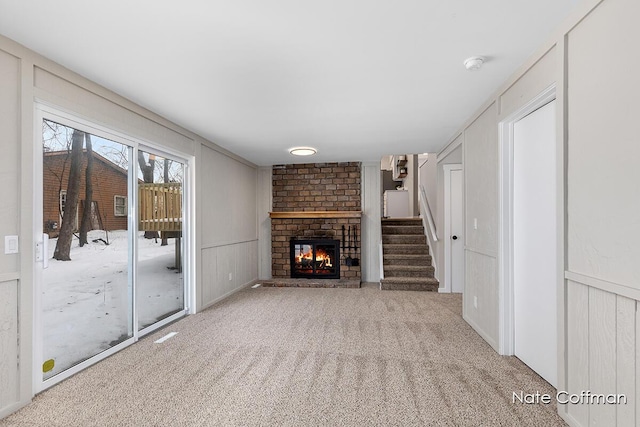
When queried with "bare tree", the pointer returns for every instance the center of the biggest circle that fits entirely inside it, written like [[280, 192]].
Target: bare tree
[[165, 240], [63, 247], [147, 170], [85, 224]]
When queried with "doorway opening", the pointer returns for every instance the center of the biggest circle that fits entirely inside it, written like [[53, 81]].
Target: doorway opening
[[528, 241]]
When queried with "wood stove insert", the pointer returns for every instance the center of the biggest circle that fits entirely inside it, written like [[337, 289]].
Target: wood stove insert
[[315, 259]]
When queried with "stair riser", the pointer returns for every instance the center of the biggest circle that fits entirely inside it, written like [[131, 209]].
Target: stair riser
[[408, 287], [414, 222], [423, 260], [404, 273], [405, 249], [405, 229], [406, 240]]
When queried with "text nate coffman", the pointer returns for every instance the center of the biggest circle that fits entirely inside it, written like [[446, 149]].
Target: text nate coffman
[[585, 397]]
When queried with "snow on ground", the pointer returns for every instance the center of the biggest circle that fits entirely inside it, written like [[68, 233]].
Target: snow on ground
[[86, 302]]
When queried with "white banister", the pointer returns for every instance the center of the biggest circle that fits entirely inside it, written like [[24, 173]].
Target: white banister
[[430, 225]]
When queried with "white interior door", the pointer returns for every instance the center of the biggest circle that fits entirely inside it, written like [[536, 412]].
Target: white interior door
[[457, 237], [454, 229], [534, 241]]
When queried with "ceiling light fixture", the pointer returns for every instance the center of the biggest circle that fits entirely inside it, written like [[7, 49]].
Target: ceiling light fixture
[[473, 63], [303, 151]]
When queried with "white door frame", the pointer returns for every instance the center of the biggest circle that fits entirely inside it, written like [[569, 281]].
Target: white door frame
[[447, 288], [506, 340]]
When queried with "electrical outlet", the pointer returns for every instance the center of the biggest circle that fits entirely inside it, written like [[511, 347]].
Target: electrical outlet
[[230, 276], [475, 302]]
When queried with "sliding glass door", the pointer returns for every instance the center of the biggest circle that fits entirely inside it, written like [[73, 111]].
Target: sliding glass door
[[86, 291], [112, 248], [160, 290]]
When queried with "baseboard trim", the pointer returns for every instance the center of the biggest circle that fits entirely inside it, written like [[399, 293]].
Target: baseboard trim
[[228, 294], [482, 334]]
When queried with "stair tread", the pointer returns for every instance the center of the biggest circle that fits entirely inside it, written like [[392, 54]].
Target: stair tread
[[410, 280], [408, 267], [392, 257], [431, 287]]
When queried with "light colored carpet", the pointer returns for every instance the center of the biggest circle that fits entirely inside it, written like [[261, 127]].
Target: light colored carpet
[[303, 357]]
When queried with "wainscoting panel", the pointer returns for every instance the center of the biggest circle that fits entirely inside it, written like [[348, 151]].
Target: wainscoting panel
[[602, 352], [626, 356], [481, 294], [8, 344], [226, 269], [602, 347], [578, 347]]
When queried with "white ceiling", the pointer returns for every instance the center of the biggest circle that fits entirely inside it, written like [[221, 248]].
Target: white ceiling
[[354, 78]]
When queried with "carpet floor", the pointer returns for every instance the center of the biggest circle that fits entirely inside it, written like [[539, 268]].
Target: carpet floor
[[304, 357]]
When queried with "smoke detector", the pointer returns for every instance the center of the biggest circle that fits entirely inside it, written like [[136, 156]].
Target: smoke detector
[[473, 63]]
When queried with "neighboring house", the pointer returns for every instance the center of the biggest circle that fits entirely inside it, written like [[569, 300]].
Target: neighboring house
[[109, 210]]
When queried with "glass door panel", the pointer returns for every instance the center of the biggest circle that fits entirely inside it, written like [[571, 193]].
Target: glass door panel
[[160, 283], [86, 289]]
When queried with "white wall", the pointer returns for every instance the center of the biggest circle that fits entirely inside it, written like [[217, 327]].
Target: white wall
[[371, 225], [225, 198], [428, 177], [229, 225], [410, 183], [265, 196], [603, 211], [599, 277]]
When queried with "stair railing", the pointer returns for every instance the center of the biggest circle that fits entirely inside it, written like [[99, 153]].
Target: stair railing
[[381, 262], [427, 220]]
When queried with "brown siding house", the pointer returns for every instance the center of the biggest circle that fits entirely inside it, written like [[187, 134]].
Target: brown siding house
[[109, 189]]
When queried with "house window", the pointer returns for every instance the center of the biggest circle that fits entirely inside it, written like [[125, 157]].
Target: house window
[[63, 201], [120, 205]]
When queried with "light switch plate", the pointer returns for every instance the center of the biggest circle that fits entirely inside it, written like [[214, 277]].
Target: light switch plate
[[11, 245]]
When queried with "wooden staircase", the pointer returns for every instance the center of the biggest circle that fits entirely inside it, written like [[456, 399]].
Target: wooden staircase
[[406, 259]]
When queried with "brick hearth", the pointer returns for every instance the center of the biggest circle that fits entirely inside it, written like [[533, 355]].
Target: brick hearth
[[314, 200]]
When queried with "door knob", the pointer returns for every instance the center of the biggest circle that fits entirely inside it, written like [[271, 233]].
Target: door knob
[[454, 237]]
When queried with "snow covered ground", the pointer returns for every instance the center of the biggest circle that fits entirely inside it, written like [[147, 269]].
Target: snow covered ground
[[87, 304]]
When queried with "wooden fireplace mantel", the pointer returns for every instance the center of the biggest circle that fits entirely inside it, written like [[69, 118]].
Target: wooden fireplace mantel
[[316, 214]]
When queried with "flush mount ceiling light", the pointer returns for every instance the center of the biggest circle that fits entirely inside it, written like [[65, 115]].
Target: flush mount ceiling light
[[473, 63], [303, 151]]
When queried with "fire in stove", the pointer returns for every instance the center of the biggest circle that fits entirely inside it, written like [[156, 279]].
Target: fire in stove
[[306, 258], [315, 259]]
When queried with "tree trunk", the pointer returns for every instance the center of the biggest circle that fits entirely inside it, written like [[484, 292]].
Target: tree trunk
[[147, 176], [63, 247], [165, 241], [85, 224]]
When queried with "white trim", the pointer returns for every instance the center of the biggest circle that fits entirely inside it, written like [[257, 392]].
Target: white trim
[[9, 277], [447, 225], [161, 323], [611, 287], [480, 332], [449, 148], [132, 224], [506, 338], [485, 252], [38, 219], [45, 384]]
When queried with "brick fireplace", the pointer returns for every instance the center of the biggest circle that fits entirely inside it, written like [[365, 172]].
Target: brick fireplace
[[316, 201]]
